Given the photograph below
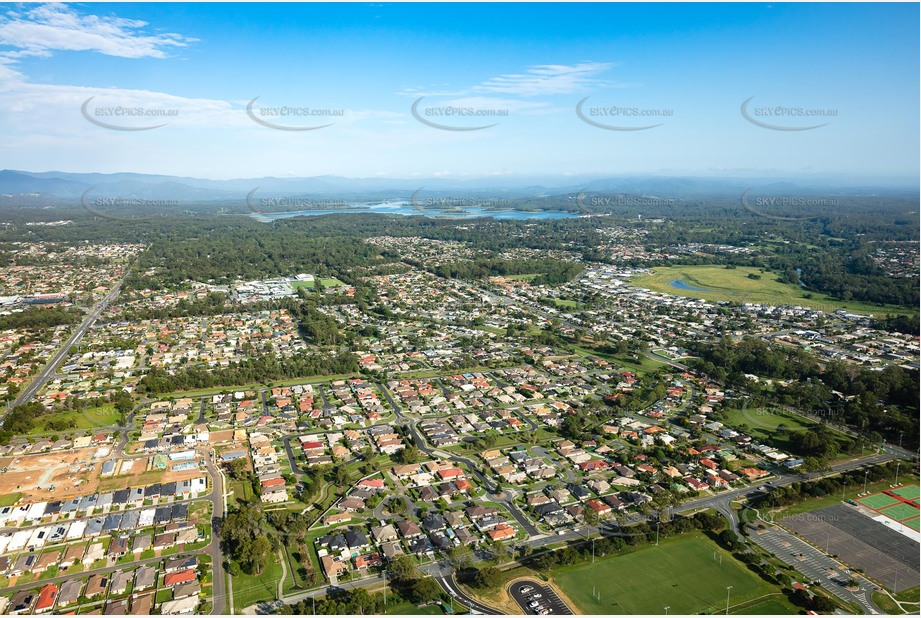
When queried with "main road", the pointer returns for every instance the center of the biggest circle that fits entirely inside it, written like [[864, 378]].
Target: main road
[[48, 370]]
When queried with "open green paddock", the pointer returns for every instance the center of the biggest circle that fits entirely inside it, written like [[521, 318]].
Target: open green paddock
[[900, 512], [326, 282], [762, 422], [718, 283], [878, 501], [909, 492], [104, 415], [689, 574], [251, 589], [776, 426]]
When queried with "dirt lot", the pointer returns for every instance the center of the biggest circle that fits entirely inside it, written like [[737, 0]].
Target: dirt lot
[[57, 476], [51, 475], [217, 437]]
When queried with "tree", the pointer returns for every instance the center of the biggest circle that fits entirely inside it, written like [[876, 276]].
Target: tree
[[259, 551], [403, 569], [461, 556], [409, 455], [590, 516], [341, 476], [237, 468], [426, 590], [487, 577]]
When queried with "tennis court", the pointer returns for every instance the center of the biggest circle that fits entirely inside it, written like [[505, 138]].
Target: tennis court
[[914, 524], [909, 492], [900, 511], [878, 501]]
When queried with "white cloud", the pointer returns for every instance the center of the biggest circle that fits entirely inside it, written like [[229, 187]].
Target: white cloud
[[537, 80], [548, 79], [56, 27]]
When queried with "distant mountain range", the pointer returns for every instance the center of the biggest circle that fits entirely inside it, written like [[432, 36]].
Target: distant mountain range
[[60, 187]]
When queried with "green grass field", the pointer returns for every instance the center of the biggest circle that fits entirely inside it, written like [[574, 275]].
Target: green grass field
[[900, 512], [10, 499], [525, 277], [762, 424], [773, 605], [680, 573], [100, 416], [912, 492], [718, 283], [878, 501], [409, 608], [248, 589], [330, 282], [644, 365], [563, 303]]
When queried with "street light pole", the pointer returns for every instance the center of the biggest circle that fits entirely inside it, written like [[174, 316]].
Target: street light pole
[[728, 590], [897, 464], [865, 480], [666, 609]]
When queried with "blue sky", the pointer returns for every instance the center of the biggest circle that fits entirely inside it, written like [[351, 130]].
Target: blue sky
[[687, 68]]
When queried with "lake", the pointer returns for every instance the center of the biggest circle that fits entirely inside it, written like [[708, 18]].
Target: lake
[[681, 284], [408, 210]]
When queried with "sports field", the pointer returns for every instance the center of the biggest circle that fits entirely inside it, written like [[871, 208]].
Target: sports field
[[910, 492], [326, 282], [897, 506], [878, 501], [688, 573], [718, 283], [900, 512]]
